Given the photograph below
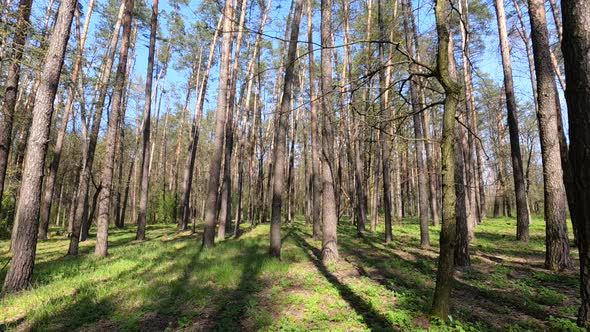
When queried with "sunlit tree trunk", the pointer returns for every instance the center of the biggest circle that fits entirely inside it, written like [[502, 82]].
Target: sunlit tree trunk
[[106, 178], [20, 271]]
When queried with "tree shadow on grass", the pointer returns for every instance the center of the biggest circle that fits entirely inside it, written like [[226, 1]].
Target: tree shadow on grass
[[374, 320]]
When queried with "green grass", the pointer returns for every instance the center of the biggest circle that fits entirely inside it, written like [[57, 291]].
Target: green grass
[[169, 282]]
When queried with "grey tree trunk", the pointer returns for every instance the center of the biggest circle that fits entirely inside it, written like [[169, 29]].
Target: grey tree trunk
[[557, 255], [522, 210]]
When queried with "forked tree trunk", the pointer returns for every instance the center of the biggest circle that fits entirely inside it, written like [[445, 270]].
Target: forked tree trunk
[[20, 272]]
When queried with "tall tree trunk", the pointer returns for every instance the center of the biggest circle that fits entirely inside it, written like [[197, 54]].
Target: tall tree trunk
[[102, 222], [52, 172], [80, 217], [20, 272], [522, 210], [557, 249], [315, 148], [11, 86], [446, 75], [222, 98], [417, 106], [575, 46], [330, 214], [280, 137], [462, 247], [146, 153]]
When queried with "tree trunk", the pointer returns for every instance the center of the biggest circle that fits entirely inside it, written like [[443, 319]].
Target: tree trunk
[[27, 215], [146, 153], [446, 75], [330, 214], [52, 172], [575, 46], [557, 249], [102, 223], [11, 87], [522, 211], [222, 96]]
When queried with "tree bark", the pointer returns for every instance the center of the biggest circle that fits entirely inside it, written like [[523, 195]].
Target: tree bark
[[27, 215], [330, 214], [102, 222], [222, 96], [280, 137], [144, 173], [11, 86], [575, 46], [557, 249], [447, 77], [522, 210]]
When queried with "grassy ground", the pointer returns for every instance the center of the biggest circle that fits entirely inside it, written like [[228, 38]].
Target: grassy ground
[[169, 282]]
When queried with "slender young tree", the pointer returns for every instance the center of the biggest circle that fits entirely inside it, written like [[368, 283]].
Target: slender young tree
[[557, 255], [106, 177], [147, 106], [24, 249], [575, 48]]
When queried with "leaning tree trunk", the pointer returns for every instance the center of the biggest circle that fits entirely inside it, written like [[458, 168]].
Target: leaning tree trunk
[[575, 46], [11, 87], [24, 249], [102, 222], [557, 254], [522, 209], [446, 75], [145, 155]]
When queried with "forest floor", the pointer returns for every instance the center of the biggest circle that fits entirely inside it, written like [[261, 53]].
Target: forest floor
[[169, 283]]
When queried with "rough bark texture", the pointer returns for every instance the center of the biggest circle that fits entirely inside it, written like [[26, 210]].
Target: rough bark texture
[[316, 190], [217, 153], [576, 50], [53, 167], [24, 249], [522, 210], [280, 138], [444, 64], [557, 255], [147, 107], [102, 222], [330, 214], [11, 87]]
